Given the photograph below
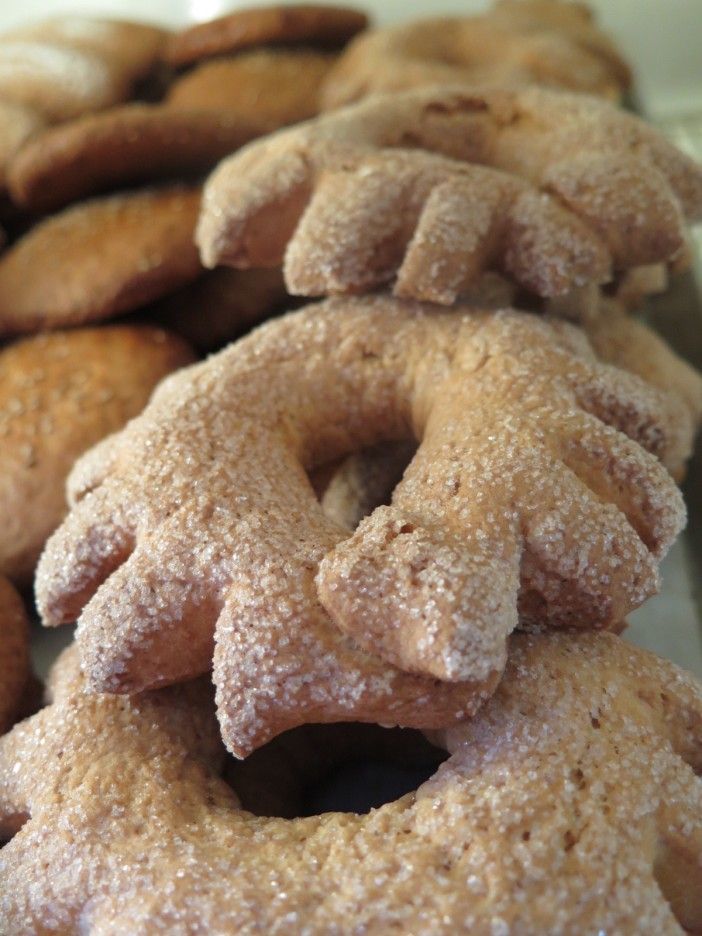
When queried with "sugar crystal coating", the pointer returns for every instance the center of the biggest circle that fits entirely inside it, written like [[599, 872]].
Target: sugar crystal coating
[[535, 494], [426, 189], [570, 805]]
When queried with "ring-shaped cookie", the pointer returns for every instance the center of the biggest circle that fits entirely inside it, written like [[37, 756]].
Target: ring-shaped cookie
[[569, 805], [200, 516]]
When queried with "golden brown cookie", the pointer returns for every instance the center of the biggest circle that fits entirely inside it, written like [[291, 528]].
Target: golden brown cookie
[[99, 258], [275, 86], [221, 305], [518, 42], [14, 653], [60, 393], [157, 553], [307, 25], [122, 146], [569, 805], [397, 190], [68, 66]]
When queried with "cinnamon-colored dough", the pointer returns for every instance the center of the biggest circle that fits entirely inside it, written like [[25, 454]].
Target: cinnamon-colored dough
[[14, 654], [569, 805], [274, 86], [427, 189], [200, 515]]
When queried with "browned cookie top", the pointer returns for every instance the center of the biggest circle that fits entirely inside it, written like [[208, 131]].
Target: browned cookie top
[[569, 805], [275, 25], [99, 258], [60, 394], [120, 146]]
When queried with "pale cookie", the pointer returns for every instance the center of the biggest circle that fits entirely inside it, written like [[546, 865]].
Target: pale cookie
[[569, 805], [519, 43], [14, 653], [60, 393], [58, 82], [305, 25], [98, 259], [576, 21], [69, 66], [119, 147], [199, 517], [275, 86], [391, 191], [131, 46]]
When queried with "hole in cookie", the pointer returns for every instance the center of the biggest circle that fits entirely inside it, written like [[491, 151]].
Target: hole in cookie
[[679, 875], [10, 826], [316, 769], [351, 489]]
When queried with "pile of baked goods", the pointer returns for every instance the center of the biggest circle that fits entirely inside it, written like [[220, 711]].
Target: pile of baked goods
[[416, 503]]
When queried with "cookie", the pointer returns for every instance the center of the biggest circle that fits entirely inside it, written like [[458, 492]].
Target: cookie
[[315, 26], [58, 82], [517, 43], [428, 189], [17, 124], [277, 87], [352, 489], [157, 556], [130, 45], [569, 805], [119, 147], [98, 259], [69, 66], [61, 393]]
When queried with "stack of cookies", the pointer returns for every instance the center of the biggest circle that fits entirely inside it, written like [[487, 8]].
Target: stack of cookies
[[418, 503]]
